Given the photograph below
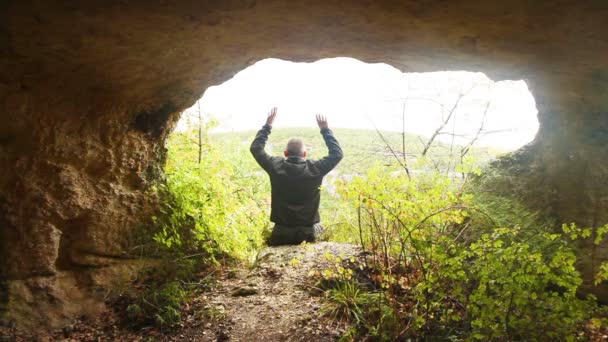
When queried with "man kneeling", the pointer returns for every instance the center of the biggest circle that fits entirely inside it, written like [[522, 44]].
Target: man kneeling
[[295, 183]]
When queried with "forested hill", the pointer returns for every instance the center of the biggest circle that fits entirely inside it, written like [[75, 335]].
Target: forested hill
[[362, 148]]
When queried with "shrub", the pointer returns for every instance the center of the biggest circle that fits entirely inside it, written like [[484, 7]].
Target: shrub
[[214, 207], [348, 302], [158, 305], [523, 288], [500, 282]]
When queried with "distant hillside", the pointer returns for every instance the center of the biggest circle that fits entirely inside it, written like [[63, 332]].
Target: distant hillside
[[362, 148]]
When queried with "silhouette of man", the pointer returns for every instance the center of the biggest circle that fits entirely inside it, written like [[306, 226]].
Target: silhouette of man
[[295, 183]]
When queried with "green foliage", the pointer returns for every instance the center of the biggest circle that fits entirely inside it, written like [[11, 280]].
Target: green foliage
[[347, 302], [597, 236], [497, 283], [363, 148], [160, 306], [523, 288], [158, 294], [213, 211], [367, 311], [443, 260], [218, 206]]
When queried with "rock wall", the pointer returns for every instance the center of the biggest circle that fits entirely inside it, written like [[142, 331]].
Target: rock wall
[[89, 90]]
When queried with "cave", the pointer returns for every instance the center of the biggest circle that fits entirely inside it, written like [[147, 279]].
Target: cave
[[90, 90]]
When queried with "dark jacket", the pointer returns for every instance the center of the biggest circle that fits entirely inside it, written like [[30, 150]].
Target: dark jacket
[[295, 181]]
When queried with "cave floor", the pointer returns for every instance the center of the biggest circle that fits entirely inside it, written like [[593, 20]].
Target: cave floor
[[273, 300]]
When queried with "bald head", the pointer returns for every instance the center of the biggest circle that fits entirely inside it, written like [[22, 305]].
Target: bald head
[[295, 148]]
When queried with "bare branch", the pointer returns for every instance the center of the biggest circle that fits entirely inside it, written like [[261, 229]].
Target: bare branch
[[495, 131], [467, 148], [194, 141], [402, 163], [442, 125], [417, 98]]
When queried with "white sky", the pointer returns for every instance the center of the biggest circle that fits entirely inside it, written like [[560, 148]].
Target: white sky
[[353, 94]]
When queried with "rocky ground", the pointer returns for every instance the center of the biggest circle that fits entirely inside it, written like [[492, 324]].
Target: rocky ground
[[275, 300]]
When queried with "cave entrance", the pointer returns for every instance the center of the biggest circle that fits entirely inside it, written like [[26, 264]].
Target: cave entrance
[[437, 109], [404, 122]]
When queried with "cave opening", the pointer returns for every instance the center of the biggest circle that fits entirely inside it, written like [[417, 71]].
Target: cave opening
[[87, 112], [442, 122]]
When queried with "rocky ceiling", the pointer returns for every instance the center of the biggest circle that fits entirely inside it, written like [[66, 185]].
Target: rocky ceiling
[[89, 90]]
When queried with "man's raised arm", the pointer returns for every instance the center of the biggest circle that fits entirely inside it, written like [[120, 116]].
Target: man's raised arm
[[258, 144], [335, 154]]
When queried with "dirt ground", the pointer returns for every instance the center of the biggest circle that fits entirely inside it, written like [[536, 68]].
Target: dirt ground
[[274, 300]]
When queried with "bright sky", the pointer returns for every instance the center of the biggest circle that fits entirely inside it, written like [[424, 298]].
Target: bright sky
[[353, 94]]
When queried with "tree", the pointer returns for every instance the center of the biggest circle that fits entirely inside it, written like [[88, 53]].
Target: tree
[[450, 109], [196, 124]]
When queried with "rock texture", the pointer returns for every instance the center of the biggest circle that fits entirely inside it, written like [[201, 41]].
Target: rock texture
[[89, 90]]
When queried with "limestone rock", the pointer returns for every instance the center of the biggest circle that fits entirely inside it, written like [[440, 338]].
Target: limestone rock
[[245, 291]]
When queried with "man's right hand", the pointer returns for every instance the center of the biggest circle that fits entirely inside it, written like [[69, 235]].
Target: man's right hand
[[271, 116], [322, 121]]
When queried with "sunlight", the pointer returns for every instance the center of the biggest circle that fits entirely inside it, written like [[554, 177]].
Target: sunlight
[[354, 94]]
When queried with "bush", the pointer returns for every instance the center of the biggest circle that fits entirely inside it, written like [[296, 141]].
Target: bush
[[215, 207], [158, 305], [213, 210], [156, 295], [441, 262], [348, 302], [523, 288], [499, 283]]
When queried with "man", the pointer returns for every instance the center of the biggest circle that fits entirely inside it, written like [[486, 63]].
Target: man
[[295, 183]]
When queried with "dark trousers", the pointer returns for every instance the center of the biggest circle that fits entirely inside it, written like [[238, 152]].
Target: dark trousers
[[284, 235]]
